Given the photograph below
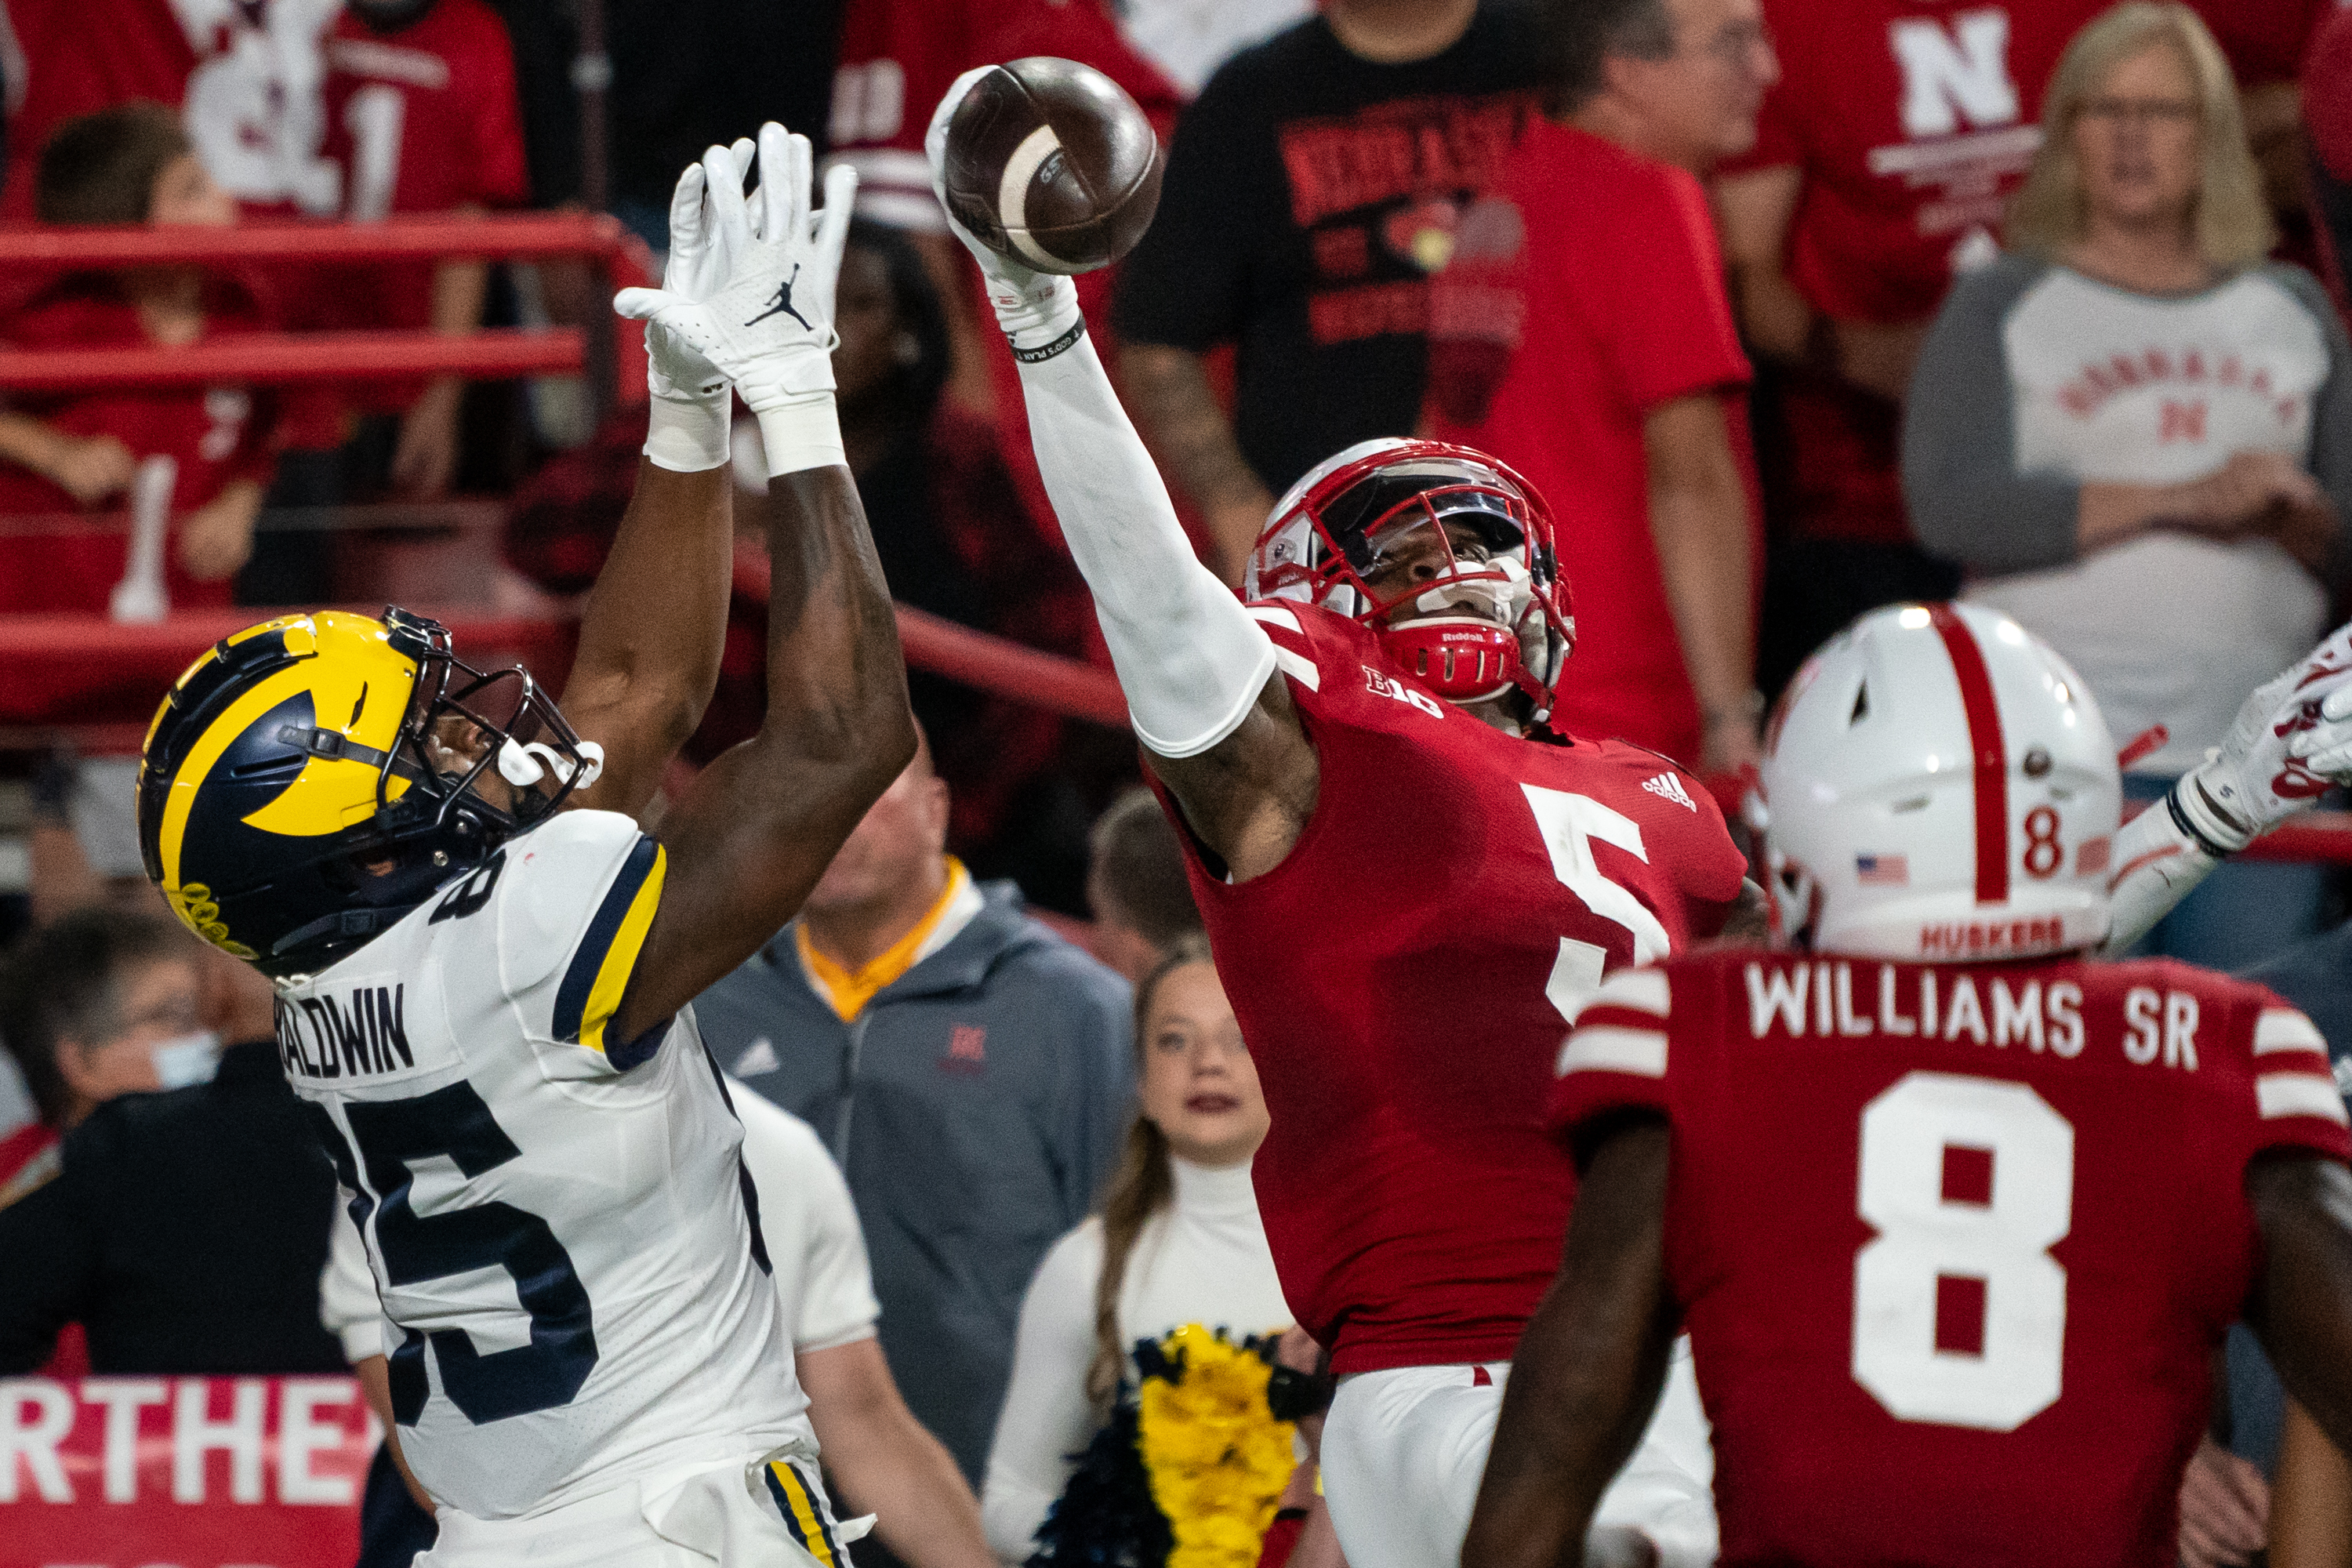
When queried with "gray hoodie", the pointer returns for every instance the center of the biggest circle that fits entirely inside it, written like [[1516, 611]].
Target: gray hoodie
[[976, 1105]]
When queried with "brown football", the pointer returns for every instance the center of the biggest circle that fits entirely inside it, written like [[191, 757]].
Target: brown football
[[1051, 163]]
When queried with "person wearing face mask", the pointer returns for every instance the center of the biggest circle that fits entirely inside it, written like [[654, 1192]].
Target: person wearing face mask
[[96, 1005], [118, 1020], [1176, 1241]]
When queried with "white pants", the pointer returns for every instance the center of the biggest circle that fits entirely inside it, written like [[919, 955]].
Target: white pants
[[771, 1513], [1403, 1451]]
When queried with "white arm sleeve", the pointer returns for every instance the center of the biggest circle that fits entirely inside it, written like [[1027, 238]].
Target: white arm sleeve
[[2158, 862], [1189, 658], [1048, 1417]]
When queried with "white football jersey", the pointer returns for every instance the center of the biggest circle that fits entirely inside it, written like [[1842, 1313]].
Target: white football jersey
[[575, 1294]]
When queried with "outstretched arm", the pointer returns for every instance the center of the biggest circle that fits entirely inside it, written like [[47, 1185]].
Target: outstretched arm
[[1198, 672], [748, 841], [1589, 1368], [656, 619]]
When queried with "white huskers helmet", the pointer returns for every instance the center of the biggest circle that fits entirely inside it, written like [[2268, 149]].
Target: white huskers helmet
[[1938, 784]]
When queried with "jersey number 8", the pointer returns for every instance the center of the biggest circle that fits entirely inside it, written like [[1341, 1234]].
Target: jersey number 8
[[1926, 1236]]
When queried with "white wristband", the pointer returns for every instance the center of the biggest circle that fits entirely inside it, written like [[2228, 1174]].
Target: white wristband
[[800, 432], [689, 436]]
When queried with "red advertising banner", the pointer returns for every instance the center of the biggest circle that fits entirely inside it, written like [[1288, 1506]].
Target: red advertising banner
[[182, 1472]]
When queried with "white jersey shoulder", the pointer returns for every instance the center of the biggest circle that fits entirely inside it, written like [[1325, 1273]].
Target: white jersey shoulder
[[571, 1290]]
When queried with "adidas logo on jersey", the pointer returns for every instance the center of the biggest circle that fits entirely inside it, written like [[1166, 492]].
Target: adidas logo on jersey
[[1668, 786]]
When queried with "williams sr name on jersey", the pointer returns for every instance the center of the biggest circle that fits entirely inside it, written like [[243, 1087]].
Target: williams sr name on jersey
[[1960, 1236], [557, 1221]]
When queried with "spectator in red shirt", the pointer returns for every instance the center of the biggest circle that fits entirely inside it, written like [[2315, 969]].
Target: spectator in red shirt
[[243, 73], [1884, 159], [2327, 88], [124, 165], [421, 117], [1583, 334]]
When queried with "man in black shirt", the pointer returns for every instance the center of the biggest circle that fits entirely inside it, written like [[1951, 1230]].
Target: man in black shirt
[[1313, 188], [185, 1230]]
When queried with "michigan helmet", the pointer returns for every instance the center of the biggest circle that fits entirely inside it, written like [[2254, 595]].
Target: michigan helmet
[[311, 780], [1938, 784], [1387, 495]]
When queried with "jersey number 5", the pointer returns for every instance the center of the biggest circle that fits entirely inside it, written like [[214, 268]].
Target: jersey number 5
[[1998, 1246], [453, 1123], [1570, 822]]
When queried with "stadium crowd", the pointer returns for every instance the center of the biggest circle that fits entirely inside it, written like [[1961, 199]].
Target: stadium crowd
[[1789, 309]]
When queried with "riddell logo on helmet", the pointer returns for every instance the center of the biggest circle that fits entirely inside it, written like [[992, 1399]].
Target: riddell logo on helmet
[[1979, 938]]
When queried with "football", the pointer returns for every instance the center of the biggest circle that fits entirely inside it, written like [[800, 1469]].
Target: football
[[1050, 163]]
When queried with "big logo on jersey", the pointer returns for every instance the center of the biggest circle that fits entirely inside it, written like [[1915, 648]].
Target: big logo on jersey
[[1960, 113], [1954, 74]]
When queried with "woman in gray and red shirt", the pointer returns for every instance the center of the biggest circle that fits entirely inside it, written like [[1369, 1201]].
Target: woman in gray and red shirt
[[2138, 437]]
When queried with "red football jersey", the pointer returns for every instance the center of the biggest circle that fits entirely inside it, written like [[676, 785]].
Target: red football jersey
[[422, 119], [215, 434], [1585, 293], [243, 73], [1403, 979], [1954, 1242]]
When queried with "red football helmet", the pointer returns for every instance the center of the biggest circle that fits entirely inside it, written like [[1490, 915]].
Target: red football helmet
[[1411, 538]]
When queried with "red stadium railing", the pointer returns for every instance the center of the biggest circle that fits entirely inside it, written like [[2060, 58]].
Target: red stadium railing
[[610, 353], [95, 681]]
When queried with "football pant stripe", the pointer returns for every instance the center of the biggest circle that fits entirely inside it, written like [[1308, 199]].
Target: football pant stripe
[[807, 1521], [2299, 1094], [1607, 1049], [599, 970], [2284, 1029]]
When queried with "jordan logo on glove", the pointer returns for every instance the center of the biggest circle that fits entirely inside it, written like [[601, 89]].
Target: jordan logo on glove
[[781, 305]]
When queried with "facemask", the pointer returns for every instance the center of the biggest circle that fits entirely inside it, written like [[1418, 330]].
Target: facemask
[[185, 1060]]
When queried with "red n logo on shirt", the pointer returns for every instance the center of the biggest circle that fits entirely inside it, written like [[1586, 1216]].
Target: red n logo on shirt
[[2180, 422]]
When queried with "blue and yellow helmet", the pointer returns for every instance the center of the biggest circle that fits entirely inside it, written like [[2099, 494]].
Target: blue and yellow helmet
[[311, 780]]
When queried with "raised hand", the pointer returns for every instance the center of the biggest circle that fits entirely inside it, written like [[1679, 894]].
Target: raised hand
[[703, 245], [767, 322], [2292, 740], [1031, 305]]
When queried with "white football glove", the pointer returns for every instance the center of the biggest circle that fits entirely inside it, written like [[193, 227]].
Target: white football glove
[[2291, 741], [688, 420], [768, 324], [1034, 307]]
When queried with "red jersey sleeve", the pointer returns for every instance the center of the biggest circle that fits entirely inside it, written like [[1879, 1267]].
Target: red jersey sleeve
[[1683, 830], [1617, 1055], [1649, 280], [1318, 651], [2297, 1103]]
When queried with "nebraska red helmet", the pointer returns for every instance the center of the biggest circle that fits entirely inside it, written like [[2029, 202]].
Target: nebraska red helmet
[[1447, 555]]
